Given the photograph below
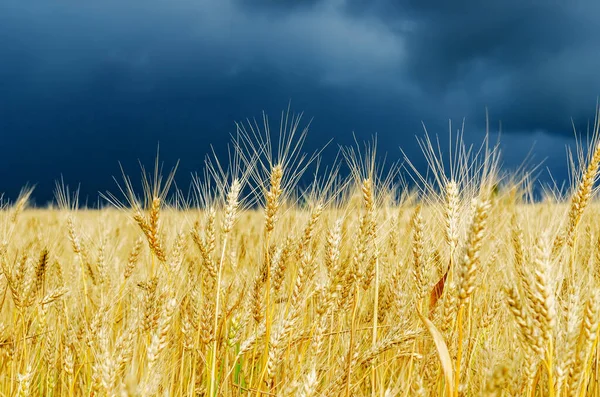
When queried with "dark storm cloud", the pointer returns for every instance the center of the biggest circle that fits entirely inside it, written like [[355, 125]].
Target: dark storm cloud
[[534, 63], [83, 85]]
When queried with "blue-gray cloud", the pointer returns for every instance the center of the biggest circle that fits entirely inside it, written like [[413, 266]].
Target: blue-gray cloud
[[83, 85]]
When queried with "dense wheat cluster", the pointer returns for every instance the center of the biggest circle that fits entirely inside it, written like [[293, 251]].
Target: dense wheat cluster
[[463, 285]]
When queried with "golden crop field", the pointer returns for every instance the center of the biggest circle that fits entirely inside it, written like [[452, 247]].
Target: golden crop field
[[463, 285]]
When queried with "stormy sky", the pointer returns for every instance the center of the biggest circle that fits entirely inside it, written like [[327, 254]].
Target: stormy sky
[[84, 85]]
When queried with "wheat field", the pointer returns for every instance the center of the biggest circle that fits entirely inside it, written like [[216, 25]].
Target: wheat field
[[457, 283]]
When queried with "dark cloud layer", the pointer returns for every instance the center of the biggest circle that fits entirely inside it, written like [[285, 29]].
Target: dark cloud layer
[[85, 85]]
